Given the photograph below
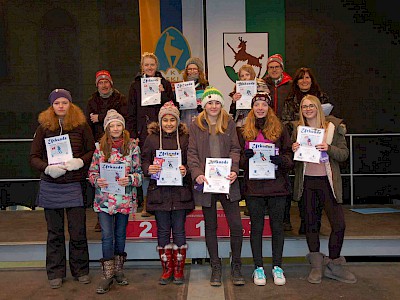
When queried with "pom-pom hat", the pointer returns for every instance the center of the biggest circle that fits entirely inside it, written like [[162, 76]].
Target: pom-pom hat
[[169, 109], [276, 58], [211, 94], [113, 115]]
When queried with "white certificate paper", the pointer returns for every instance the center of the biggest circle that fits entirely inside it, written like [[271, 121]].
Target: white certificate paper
[[170, 173], [248, 89], [216, 173], [150, 91], [58, 149], [111, 173], [186, 95], [308, 137], [260, 166]]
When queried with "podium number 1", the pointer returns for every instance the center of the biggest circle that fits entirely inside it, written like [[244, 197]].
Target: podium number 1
[[202, 229]]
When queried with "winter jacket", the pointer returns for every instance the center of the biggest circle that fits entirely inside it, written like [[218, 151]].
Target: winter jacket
[[115, 203], [279, 92], [270, 187], [82, 144], [100, 106], [140, 116], [167, 198], [291, 108], [199, 150], [337, 152]]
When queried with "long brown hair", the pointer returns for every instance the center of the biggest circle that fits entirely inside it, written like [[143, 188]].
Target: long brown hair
[[72, 119], [272, 127], [220, 126], [106, 142], [321, 122]]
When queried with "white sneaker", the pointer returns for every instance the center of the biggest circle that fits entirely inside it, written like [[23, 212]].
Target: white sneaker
[[259, 276], [279, 278]]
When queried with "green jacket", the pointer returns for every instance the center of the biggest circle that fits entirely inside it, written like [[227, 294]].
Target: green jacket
[[337, 151]]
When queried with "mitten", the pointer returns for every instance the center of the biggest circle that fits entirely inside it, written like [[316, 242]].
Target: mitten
[[74, 164], [249, 153], [55, 171], [276, 159]]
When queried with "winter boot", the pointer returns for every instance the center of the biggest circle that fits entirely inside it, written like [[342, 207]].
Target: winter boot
[[316, 260], [119, 276], [167, 264], [107, 279], [145, 213], [179, 257], [216, 273], [334, 269], [236, 274]]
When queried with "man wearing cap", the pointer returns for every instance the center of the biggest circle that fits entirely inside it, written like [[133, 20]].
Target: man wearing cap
[[279, 83], [104, 99]]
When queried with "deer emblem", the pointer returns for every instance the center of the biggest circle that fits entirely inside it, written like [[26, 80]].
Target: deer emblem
[[242, 55], [171, 51]]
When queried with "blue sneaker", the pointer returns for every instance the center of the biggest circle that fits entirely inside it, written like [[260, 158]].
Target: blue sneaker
[[259, 276], [279, 278]]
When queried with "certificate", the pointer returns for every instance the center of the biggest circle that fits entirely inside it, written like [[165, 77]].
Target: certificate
[[216, 173], [260, 166], [111, 173], [58, 149], [186, 95], [247, 89], [308, 137], [170, 173], [150, 91]]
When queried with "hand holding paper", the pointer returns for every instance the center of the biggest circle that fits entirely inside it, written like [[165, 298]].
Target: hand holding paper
[[55, 171]]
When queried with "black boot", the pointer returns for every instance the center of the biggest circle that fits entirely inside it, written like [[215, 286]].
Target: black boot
[[236, 274], [216, 273]]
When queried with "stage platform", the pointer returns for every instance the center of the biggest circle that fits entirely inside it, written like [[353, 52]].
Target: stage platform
[[23, 237]]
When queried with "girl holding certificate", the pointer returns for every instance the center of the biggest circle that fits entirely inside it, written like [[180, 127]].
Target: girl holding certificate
[[63, 129], [194, 71], [213, 135], [116, 149], [263, 126], [141, 114], [170, 203], [319, 185]]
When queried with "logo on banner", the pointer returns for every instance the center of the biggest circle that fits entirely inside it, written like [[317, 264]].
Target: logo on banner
[[243, 48], [172, 51]]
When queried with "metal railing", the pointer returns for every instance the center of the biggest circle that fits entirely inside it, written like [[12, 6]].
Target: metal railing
[[351, 174]]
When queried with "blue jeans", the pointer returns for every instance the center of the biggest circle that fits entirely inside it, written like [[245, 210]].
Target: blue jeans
[[167, 220], [113, 234]]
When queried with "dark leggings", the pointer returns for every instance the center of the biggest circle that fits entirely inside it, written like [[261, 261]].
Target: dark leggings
[[318, 193], [232, 213], [276, 210]]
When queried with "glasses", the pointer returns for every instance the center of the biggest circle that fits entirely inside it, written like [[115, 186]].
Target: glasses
[[311, 106], [274, 67], [192, 70]]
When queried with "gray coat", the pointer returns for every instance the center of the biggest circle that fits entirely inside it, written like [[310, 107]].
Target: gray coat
[[337, 151], [199, 150]]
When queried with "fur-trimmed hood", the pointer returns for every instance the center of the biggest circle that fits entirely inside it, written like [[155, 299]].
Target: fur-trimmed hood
[[154, 128], [74, 118]]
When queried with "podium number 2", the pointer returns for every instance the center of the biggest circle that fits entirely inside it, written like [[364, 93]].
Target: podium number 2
[[147, 227]]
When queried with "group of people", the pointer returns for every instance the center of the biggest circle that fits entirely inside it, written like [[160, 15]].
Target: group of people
[[120, 131]]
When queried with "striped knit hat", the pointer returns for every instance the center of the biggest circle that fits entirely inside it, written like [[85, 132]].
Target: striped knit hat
[[211, 94]]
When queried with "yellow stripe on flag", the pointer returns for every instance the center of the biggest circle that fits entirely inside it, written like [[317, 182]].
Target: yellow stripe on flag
[[150, 27]]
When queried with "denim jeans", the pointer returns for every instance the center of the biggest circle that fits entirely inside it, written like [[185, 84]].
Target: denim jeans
[[171, 220], [113, 233], [276, 210]]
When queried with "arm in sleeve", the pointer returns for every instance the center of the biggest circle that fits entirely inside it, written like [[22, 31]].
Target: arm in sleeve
[[38, 150], [94, 169], [136, 168], [339, 151], [235, 147], [193, 154], [286, 150], [89, 146]]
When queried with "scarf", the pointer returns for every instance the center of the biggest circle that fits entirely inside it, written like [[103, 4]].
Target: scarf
[[106, 95]]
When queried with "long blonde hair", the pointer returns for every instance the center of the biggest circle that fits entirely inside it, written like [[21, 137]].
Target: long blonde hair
[[220, 126], [272, 128], [106, 142], [321, 122]]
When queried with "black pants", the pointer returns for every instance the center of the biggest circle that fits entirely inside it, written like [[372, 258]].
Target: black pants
[[78, 248], [276, 210], [318, 194], [232, 213], [171, 220]]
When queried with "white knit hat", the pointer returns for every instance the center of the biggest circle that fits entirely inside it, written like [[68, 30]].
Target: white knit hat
[[113, 115]]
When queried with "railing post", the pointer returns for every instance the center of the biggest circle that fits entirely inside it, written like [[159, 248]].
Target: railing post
[[351, 171]]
